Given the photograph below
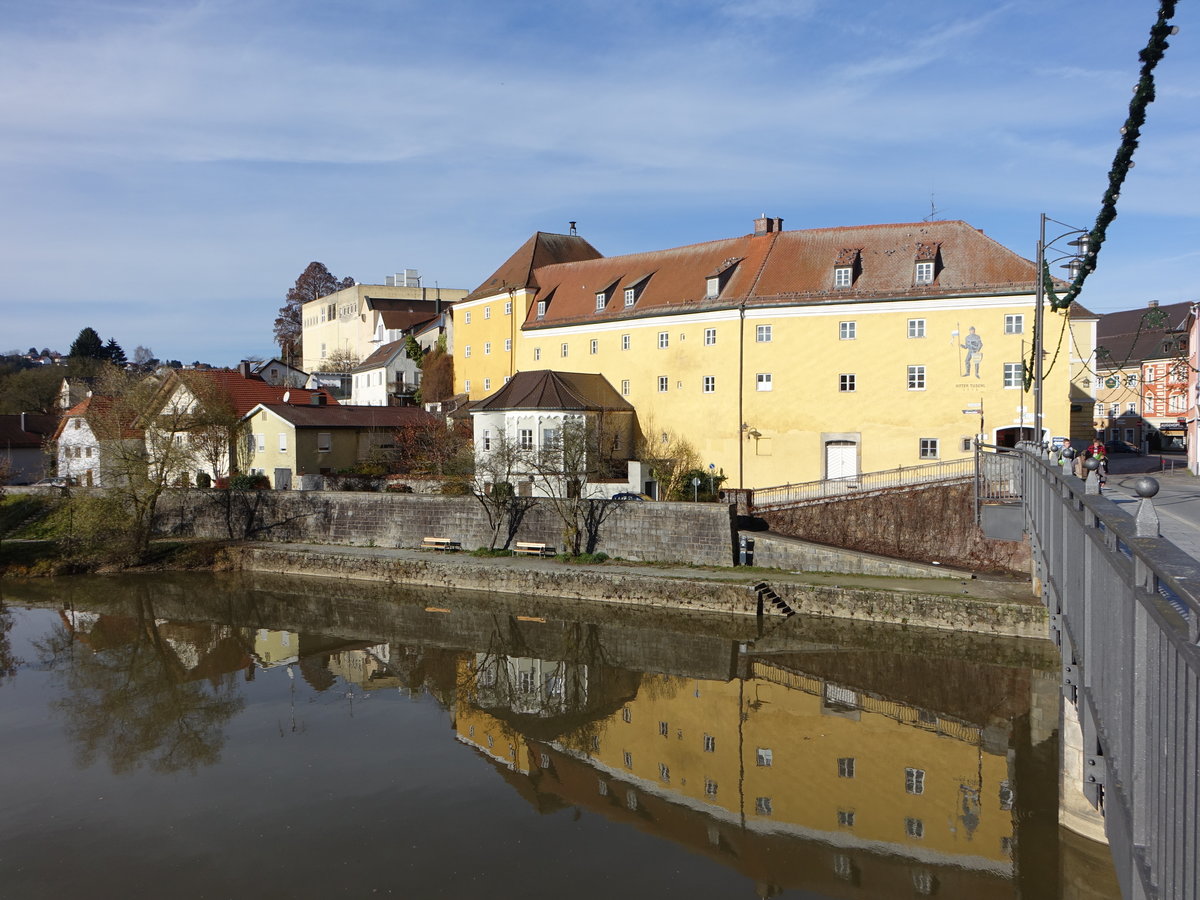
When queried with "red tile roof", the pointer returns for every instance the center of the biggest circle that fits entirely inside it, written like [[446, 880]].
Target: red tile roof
[[772, 268], [1134, 335], [97, 412], [245, 393], [540, 250]]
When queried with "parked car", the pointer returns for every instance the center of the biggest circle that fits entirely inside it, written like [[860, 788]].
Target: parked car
[[54, 481], [1121, 447], [629, 495]]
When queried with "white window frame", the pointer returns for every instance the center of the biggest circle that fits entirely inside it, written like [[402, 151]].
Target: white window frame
[[709, 384], [487, 348], [563, 349], [848, 331], [847, 383], [916, 328], [508, 307], [928, 448], [541, 309], [601, 300], [624, 387], [487, 384], [1014, 375], [664, 340], [467, 317], [630, 296], [664, 384], [923, 273], [487, 312], [710, 337], [283, 442], [625, 342], [763, 381], [508, 345], [1014, 323], [712, 287], [593, 346], [763, 756], [846, 766], [525, 436], [537, 353], [467, 351], [763, 334], [914, 781], [843, 276], [916, 378]]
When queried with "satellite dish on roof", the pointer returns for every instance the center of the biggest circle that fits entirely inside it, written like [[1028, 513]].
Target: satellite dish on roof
[[287, 395]]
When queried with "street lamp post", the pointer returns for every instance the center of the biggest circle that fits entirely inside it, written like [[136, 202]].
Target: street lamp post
[[1075, 255]]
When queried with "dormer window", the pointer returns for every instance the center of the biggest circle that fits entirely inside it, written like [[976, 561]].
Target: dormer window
[[630, 296], [847, 266], [541, 309], [601, 300], [927, 263], [715, 282]]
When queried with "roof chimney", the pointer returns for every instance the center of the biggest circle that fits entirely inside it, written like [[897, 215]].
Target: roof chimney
[[244, 368], [317, 398], [766, 225]]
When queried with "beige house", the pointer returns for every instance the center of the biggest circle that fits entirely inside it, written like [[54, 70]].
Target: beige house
[[286, 440], [353, 322]]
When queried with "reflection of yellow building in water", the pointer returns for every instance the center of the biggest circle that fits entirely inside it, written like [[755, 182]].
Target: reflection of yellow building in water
[[276, 648], [787, 754]]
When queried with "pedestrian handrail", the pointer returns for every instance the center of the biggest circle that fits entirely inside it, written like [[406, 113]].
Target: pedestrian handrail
[[952, 470], [1125, 610]]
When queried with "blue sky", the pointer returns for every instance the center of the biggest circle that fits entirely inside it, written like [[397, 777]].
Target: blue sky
[[167, 169]]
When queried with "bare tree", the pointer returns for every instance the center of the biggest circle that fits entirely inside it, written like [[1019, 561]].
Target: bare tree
[[342, 361], [143, 453], [314, 282], [566, 468], [670, 457], [498, 467]]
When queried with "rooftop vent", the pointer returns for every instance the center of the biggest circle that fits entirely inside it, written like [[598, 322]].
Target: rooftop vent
[[407, 278], [766, 225]]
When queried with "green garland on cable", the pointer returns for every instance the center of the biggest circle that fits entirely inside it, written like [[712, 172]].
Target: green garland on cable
[[1143, 96]]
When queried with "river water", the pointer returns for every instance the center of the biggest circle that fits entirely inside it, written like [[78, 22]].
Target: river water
[[226, 736]]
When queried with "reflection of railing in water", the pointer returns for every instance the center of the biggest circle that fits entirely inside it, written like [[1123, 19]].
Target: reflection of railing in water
[[892, 709]]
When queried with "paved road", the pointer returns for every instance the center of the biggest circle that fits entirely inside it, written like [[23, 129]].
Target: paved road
[[1177, 503]]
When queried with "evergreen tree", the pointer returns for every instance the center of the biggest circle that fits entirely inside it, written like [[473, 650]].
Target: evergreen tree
[[88, 345], [114, 352]]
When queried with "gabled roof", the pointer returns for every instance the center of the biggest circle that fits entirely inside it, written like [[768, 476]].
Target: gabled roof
[[38, 426], [780, 267], [379, 417], [263, 366], [541, 250], [97, 411], [381, 356], [550, 390], [1147, 332], [243, 393]]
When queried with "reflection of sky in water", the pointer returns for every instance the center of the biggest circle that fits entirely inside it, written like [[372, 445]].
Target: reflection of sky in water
[[333, 777]]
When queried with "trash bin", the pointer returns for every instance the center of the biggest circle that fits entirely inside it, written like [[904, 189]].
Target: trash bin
[[745, 550]]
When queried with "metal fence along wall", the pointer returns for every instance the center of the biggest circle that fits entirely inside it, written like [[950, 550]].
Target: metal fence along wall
[[1126, 611], [863, 483]]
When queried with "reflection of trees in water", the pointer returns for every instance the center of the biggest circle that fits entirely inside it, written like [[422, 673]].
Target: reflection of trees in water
[[130, 701], [8, 660]]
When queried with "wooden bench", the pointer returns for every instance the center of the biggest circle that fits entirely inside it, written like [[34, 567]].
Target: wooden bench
[[533, 548], [440, 543]]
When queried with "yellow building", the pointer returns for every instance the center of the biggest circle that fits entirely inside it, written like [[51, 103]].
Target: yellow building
[[783, 356], [355, 321], [784, 753]]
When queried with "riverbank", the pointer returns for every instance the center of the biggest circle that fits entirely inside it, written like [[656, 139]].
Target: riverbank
[[979, 605]]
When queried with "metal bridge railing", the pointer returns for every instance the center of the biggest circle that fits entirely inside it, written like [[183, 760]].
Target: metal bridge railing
[[864, 483], [1131, 664]]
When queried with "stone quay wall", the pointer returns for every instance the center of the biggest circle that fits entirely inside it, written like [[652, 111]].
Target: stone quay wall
[[691, 533], [609, 584]]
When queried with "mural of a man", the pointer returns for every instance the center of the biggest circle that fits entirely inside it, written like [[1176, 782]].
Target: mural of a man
[[973, 344]]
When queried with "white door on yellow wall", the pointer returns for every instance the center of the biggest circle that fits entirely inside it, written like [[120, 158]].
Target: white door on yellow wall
[[841, 459]]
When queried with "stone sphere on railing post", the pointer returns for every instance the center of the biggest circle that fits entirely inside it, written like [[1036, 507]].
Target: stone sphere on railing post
[[1091, 464], [1146, 517], [1069, 452], [1146, 486], [1091, 478]]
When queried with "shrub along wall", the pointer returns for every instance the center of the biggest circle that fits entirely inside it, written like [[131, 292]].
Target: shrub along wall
[[694, 533], [934, 524]]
